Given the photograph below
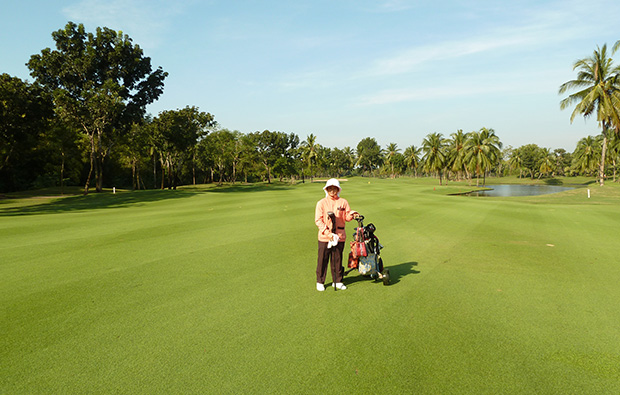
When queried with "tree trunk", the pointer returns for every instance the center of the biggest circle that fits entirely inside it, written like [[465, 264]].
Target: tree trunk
[[92, 160], [163, 173], [194, 167], [135, 178], [62, 174], [174, 177], [99, 174], [268, 172], [154, 172], [6, 159], [138, 180], [99, 155], [169, 166], [601, 172]]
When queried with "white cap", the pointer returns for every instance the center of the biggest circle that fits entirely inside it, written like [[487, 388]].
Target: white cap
[[332, 182]]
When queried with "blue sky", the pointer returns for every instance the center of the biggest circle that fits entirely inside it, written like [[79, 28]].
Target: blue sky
[[395, 70]]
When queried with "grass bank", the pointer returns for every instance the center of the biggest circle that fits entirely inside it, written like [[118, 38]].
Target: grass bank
[[211, 290]]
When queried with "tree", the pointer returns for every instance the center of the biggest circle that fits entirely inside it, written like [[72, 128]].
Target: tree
[[398, 164], [134, 149], [530, 156], [598, 82], [456, 153], [101, 84], [270, 146], [175, 133], [434, 148], [309, 153], [248, 156], [547, 162], [286, 163], [323, 160], [562, 161], [483, 152], [368, 154], [60, 148], [25, 111], [350, 159], [236, 153], [412, 158], [614, 154], [390, 155], [516, 161], [223, 145], [586, 153]]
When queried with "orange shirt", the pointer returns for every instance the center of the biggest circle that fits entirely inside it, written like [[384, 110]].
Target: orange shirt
[[340, 207]]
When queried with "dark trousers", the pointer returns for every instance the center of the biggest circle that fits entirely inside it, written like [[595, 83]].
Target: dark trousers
[[334, 257]]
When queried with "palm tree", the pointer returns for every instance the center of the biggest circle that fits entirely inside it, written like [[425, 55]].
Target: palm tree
[[349, 154], [516, 161], [390, 151], [614, 154], [547, 162], [598, 82], [434, 146], [310, 149], [483, 150], [586, 152], [456, 153], [412, 158]]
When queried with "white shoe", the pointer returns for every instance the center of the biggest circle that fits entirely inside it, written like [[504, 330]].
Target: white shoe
[[320, 287], [339, 286]]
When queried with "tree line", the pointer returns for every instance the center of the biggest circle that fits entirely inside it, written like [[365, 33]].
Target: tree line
[[83, 121]]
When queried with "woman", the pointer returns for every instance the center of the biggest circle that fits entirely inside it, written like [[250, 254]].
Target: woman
[[330, 216]]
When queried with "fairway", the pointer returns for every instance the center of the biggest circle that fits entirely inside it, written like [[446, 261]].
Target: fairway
[[212, 290]]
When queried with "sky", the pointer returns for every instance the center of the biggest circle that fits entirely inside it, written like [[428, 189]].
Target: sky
[[344, 70]]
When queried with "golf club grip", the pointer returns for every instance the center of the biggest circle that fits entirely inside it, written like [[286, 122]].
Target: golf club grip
[[332, 216]]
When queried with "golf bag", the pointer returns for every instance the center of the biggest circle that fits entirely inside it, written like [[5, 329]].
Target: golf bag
[[365, 255]]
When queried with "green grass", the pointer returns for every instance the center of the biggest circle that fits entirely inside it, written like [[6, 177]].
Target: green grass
[[212, 290]]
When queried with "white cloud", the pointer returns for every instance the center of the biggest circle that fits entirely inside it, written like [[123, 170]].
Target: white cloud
[[466, 89], [541, 27], [411, 59]]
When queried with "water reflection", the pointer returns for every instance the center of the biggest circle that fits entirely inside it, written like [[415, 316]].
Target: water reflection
[[520, 190]]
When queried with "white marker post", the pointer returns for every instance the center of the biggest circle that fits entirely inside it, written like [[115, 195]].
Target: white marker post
[[114, 191], [588, 193]]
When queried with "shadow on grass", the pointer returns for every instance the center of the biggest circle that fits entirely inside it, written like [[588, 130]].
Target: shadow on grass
[[396, 273], [245, 188], [94, 201], [46, 204], [401, 270]]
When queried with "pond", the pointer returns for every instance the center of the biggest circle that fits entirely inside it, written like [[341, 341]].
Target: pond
[[520, 190]]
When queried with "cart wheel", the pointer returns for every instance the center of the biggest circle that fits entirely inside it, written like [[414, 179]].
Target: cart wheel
[[386, 277]]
